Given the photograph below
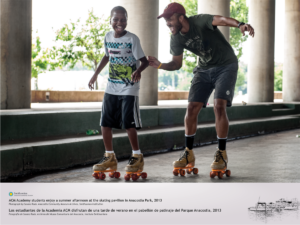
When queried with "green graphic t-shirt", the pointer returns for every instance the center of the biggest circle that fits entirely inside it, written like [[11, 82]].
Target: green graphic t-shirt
[[124, 54], [204, 40]]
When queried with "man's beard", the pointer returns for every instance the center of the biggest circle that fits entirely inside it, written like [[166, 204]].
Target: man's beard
[[178, 27]]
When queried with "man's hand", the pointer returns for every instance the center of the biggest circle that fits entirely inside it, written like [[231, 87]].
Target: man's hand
[[92, 81], [247, 27], [136, 76], [153, 62]]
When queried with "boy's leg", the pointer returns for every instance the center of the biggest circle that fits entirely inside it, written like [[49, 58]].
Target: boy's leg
[[110, 117], [107, 138], [133, 138], [132, 121]]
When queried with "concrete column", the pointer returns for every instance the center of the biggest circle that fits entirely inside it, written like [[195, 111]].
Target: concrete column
[[142, 22], [218, 8], [261, 64], [16, 18], [291, 65]]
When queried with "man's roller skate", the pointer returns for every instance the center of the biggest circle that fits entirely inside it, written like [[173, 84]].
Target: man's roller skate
[[219, 165], [134, 168], [108, 161], [185, 162]]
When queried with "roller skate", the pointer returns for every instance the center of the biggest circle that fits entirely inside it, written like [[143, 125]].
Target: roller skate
[[134, 168], [185, 162], [219, 165], [108, 161]]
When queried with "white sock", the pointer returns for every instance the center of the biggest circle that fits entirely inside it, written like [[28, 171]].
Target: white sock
[[112, 151], [221, 138], [137, 152]]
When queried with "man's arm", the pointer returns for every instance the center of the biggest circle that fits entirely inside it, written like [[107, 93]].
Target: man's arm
[[175, 64], [136, 75], [230, 22]]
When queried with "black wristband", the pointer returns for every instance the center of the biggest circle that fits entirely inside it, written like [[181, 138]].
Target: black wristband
[[240, 24]]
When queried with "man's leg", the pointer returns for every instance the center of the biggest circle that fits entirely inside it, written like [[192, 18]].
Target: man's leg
[[190, 122], [222, 122]]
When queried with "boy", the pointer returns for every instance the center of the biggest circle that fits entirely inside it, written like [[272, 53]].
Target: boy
[[121, 103]]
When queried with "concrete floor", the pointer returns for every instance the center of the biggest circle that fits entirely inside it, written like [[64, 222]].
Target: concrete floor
[[271, 158]]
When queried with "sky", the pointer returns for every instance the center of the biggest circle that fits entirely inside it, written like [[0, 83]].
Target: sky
[[50, 15]]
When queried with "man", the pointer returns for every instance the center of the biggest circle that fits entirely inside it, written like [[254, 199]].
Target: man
[[217, 69]]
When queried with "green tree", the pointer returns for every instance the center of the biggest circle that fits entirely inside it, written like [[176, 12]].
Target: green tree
[[278, 79], [84, 45], [39, 59]]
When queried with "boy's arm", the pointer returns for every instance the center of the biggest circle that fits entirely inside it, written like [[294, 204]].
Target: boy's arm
[[102, 64], [175, 64], [136, 75]]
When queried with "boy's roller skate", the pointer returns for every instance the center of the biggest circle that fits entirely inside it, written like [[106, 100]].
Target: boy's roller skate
[[219, 165], [134, 168], [186, 161], [108, 161]]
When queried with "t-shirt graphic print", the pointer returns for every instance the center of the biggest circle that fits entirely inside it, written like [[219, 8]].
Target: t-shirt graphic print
[[124, 54]]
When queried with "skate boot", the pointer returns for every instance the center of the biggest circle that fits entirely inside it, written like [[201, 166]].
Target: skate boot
[[134, 168], [219, 165], [186, 161], [108, 161]]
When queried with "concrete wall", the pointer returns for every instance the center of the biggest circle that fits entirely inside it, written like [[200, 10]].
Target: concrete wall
[[261, 63], [16, 53], [216, 7], [142, 22], [97, 96], [291, 65]]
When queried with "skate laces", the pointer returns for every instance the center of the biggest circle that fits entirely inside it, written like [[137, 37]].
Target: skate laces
[[132, 160], [218, 156], [104, 159], [184, 155]]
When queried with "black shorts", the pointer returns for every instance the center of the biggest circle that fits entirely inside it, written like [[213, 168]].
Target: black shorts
[[120, 111], [221, 78]]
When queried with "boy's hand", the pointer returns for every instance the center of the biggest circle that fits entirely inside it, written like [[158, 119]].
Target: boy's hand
[[153, 62], [136, 76], [92, 81]]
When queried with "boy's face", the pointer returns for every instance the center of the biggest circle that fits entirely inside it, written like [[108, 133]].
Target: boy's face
[[174, 24], [118, 21]]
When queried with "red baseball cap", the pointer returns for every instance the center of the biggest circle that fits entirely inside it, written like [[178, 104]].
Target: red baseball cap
[[172, 8]]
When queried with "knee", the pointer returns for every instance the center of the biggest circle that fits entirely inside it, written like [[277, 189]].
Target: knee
[[219, 109], [192, 110]]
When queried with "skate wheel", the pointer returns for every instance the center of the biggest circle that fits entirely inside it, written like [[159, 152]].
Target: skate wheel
[[220, 175], [189, 171], [117, 175], [144, 175], [96, 175], [212, 174], [127, 177], [228, 173], [111, 174], [134, 177], [102, 176], [182, 173], [195, 171], [175, 172]]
